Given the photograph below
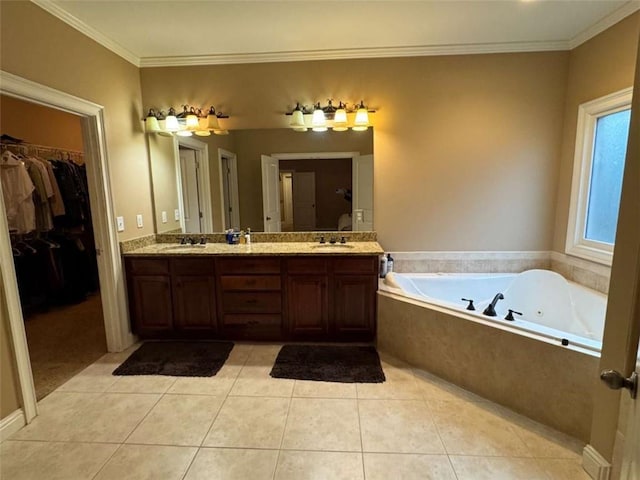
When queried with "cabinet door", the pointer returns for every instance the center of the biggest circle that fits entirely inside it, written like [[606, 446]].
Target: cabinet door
[[354, 306], [194, 302], [150, 296], [307, 305]]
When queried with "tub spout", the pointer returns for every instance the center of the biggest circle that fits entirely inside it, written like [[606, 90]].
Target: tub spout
[[490, 311]]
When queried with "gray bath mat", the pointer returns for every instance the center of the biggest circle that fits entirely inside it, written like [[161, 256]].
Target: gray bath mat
[[176, 359], [327, 363]]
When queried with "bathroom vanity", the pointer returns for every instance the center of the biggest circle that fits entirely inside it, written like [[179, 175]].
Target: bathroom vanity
[[266, 291]]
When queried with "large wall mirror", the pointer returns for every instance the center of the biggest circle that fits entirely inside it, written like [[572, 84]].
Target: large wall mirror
[[274, 180]]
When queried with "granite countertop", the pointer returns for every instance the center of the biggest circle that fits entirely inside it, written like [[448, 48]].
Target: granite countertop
[[262, 248]]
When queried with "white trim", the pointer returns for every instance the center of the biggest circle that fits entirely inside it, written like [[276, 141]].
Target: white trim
[[623, 12], [112, 290], [588, 114], [314, 155], [11, 424], [595, 464], [353, 53], [61, 14], [204, 181]]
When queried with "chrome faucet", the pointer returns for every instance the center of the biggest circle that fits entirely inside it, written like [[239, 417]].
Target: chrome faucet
[[490, 311]]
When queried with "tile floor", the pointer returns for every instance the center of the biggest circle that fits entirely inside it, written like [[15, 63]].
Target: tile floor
[[243, 424]]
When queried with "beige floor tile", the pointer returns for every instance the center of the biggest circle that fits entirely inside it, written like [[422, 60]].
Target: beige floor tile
[[385, 466], [496, 468], [249, 422], [301, 465], [56, 412], [398, 426], [473, 429], [24, 460], [255, 381], [400, 384], [322, 424], [110, 418], [305, 388], [142, 462], [178, 420], [263, 355], [95, 378], [563, 469], [142, 384], [214, 386], [233, 464]]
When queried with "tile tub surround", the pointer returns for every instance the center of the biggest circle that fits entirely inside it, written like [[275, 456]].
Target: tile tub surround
[[209, 429], [589, 274], [550, 384]]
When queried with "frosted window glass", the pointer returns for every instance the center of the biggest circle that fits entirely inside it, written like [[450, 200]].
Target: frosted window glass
[[607, 168]]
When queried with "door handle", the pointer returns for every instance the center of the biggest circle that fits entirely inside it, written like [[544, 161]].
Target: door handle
[[615, 381], [268, 218]]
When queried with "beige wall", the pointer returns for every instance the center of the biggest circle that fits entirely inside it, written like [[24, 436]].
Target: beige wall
[[9, 396], [622, 327], [40, 125], [465, 147], [38, 47], [164, 181], [598, 67]]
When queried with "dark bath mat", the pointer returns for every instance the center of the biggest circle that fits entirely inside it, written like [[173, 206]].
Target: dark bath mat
[[327, 363], [177, 359]]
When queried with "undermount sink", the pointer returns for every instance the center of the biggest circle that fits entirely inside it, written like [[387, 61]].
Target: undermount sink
[[337, 246], [185, 247]]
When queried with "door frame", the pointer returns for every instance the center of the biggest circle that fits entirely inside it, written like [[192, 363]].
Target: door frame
[[232, 158], [112, 290], [204, 182]]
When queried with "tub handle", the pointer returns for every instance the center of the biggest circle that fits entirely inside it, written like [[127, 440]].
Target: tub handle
[[470, 306], [510, 315]]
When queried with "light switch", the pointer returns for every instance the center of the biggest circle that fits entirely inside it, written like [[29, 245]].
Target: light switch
[[164, 217], [176, 214], [120, 223], [139, 220]]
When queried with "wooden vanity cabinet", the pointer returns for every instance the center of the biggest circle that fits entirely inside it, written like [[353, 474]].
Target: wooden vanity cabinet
[[307, 298], [193, 283]]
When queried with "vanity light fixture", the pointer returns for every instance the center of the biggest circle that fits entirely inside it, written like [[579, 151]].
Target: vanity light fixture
[[190, 121], [339, 119]]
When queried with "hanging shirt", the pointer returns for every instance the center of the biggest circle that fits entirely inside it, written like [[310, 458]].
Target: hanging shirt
[[44, 220], [56, 202], [17, 189]]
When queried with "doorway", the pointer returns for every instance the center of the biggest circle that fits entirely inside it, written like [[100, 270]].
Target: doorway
[[190, 178], [52, 240], [228, 164]]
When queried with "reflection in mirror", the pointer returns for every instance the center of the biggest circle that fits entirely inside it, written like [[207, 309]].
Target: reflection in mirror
[[267, 180]]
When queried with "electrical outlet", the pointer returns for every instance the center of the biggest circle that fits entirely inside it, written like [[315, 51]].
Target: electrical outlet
[[164, 217], [176, 214], [120, 223], [139, 220]]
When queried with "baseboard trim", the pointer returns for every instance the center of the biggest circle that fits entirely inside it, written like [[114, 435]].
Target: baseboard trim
[[11, 424], [595, 464]]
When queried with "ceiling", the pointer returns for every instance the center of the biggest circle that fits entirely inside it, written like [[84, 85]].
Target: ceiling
[[160, 33]]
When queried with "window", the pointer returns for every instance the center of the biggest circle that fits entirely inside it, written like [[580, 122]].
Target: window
[[601, 147]]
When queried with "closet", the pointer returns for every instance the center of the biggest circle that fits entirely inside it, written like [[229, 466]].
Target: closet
[[46, 198]]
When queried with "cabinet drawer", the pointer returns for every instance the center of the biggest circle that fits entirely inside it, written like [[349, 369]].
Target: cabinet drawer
[[250, 320], [248, 265], [355, 265], [250, 282], [255, 302], [307, 265], [192, 266], [148, 266]]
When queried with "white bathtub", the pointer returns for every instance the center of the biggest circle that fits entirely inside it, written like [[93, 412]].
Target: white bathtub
[[553, 309]]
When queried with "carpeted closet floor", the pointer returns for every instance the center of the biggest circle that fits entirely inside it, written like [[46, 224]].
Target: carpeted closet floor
[[64, 341]]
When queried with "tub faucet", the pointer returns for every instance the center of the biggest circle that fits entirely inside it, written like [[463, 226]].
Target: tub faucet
[[490, 311]]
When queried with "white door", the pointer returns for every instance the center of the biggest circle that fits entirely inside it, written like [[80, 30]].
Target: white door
[[362, 200], [631, 459], [286, 202], [189, 169], [270, 194], [231, 205], [304, 201]]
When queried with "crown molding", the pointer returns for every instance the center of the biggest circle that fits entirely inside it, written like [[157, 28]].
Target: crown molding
[[61, 14], [623, 12], [353, 53]]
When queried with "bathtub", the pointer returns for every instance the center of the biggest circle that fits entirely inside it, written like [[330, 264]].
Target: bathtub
[[553, 309], [544, 364]]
